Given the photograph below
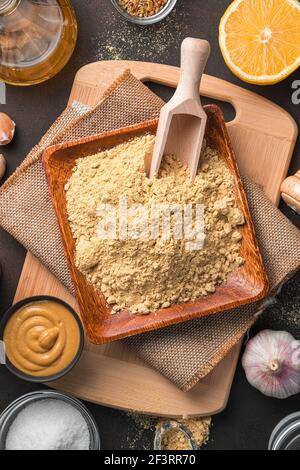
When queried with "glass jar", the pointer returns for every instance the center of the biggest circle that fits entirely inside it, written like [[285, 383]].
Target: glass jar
[[286, 435], [37, 38], [9, 415]]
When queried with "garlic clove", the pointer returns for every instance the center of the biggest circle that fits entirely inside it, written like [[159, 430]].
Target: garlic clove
[[7, 129], [2, 166], [271, 363], [290, 191]]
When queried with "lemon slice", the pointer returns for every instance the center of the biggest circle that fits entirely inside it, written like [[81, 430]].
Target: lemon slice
[[260, 39]]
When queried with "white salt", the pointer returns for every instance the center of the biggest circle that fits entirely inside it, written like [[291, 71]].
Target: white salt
[[49, 424]]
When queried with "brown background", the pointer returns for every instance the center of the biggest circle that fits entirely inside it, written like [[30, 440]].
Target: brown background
[[249, 418]]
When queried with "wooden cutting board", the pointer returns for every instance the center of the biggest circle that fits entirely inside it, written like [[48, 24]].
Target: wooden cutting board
[[263, 137]]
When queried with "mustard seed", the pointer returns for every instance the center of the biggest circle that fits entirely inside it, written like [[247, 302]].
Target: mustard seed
[[142, 8]]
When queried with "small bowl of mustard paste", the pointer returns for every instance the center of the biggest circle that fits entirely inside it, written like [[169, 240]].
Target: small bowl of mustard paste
[[42, 339]]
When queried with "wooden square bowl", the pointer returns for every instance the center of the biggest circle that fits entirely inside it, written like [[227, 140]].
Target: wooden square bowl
[[246, 284]]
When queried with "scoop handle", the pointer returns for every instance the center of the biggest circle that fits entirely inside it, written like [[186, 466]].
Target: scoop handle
[[194, 56]]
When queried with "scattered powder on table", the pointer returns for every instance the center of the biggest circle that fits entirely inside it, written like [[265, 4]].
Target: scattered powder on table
[[285, 313], [141, 429], [147, 274], [48, 424], [199, 429], [152, 43]]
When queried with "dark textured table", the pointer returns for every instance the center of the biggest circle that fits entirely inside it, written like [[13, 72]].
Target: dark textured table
[[249, 418]]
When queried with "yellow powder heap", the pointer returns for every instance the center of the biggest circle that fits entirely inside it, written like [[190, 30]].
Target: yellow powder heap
[[142, 273]]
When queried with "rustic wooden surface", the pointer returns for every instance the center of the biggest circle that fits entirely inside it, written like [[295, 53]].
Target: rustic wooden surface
[[111, 375], [247, 283], [35, 108], [90, 83]]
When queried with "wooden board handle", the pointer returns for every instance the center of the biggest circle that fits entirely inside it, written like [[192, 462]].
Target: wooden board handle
[[290, 191], [262, 134], [274, 120]]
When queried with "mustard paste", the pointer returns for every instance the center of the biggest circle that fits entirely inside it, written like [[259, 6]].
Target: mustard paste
[[42, 338]]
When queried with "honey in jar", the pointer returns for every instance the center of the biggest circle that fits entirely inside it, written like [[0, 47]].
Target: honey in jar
[[37, 38]]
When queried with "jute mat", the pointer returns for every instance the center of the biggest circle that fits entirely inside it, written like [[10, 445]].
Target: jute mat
[[184, 353]]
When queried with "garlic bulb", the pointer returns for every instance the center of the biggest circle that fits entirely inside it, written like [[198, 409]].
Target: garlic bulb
[[2, 166], [7, 129], [272, 363]]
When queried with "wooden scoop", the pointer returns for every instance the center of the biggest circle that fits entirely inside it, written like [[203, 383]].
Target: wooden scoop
[[182, 120]]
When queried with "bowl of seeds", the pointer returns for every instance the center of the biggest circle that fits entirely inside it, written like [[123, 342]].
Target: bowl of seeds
[[144, 12]]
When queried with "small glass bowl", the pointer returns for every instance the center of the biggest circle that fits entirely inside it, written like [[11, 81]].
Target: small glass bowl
[[147, 20], [169, 426], [286, 435], [10, 414]]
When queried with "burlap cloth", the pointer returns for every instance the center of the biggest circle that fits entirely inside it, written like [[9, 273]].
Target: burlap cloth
[[184, 353]]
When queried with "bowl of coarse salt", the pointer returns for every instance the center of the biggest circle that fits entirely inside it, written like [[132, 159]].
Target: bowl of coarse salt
[[48, 420]]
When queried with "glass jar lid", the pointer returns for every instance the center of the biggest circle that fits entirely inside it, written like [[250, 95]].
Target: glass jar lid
[[286, 435]]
